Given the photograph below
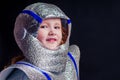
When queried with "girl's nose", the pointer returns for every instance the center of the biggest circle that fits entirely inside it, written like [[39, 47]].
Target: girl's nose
[[51, 32]]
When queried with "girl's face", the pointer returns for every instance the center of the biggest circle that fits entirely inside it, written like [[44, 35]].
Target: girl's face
[[50, 33]]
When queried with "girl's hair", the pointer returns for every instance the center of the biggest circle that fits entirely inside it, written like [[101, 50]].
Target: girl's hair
[[64, 38], [64, 30]]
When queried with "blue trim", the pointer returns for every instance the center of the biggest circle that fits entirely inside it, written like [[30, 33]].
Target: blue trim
[[75, 65], [30, 65], [39, 19], [69, 21]]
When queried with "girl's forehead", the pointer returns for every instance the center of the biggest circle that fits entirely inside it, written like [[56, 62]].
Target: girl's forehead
[[47, 19], [52, 20]]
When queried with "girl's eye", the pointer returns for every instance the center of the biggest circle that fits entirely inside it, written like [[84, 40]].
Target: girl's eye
[[43, 26], [57, 27]]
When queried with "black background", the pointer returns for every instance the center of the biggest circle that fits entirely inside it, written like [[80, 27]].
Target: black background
[[95, 29]]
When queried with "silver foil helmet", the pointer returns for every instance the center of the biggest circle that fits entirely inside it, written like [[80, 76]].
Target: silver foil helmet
[[25, 32], [29, 19]]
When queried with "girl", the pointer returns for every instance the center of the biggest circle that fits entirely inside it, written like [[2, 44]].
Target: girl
[[42, 32]]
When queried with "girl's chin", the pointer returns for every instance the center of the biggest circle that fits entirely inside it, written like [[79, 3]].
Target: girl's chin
[[52, 47]]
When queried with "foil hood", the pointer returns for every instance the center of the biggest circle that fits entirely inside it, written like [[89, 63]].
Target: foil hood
[[25, 32]]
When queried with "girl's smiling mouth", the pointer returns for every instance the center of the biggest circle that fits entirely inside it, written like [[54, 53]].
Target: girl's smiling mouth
[[51, 39]]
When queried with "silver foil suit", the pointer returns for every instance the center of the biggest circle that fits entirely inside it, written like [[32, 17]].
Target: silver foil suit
[[56, 63]]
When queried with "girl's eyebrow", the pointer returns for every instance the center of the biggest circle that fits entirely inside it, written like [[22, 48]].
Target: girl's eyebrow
[[43, 23], [57, 24]]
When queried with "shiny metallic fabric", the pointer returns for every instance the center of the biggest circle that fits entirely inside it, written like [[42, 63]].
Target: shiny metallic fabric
[[54, 62]]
